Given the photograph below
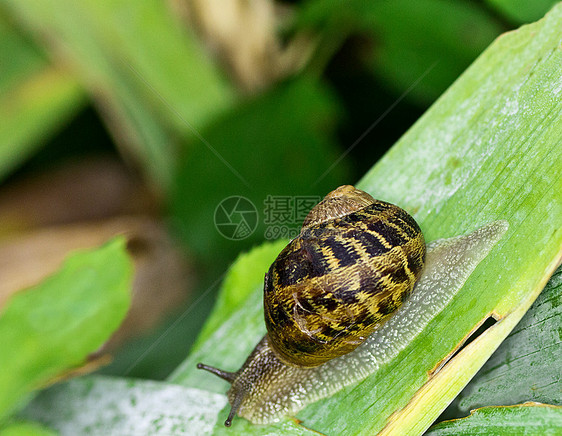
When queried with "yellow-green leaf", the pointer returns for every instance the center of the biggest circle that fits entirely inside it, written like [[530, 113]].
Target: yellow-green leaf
[[53, 326]]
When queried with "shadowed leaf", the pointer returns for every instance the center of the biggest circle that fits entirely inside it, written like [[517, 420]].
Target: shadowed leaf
[[524, 419]]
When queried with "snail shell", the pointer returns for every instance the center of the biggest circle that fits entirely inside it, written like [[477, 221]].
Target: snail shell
[[354, 262]]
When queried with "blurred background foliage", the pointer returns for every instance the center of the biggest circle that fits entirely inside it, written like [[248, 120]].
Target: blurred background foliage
[[141, 117]]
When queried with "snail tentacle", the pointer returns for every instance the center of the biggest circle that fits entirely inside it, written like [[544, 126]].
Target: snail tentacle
[[239, 394], [225, 375]]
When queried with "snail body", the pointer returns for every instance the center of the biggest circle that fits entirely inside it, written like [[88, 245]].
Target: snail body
[[354, 262], [352, 266]]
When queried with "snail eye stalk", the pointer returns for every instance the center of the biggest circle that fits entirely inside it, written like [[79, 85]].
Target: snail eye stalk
[[225, 375], [229, 377]]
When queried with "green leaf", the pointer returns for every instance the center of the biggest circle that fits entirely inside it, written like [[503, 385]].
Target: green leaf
[[264, 136], [489, 149], [228, 345], [32, 111], [20, 58], [522, 11], [434, 41], [526, 366], [149, 73], [26, 429], [104, 405], [420, 46], [524, 419], [35, 99], [52, 327], [242, 279]]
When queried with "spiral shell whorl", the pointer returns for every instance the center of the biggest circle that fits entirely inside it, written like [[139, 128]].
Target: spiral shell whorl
[[338, 203], [341, 277]]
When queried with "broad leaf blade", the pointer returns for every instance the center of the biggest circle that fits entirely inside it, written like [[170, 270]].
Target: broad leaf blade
[[52, 327], [526, 366], [113, 406], [489, 149], [524, 419]]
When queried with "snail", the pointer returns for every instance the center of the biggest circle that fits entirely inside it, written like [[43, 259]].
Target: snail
[[353, 265]]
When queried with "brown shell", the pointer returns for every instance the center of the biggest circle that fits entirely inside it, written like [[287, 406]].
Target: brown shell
[[353, 264]]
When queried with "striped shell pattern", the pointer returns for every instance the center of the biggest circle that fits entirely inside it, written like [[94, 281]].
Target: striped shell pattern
[[353, 264]]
